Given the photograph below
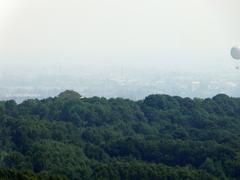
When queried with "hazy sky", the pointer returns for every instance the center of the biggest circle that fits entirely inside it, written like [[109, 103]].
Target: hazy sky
[[171, 34]]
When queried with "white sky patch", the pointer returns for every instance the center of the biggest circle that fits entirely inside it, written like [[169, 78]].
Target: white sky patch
[[172, 35]]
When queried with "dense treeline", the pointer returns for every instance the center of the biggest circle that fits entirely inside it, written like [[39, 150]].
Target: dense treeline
[[160, 137]]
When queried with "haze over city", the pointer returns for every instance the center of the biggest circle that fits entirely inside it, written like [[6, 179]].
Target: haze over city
[[118, 48]]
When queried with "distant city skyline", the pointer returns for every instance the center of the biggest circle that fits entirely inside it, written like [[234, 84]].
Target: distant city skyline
[[135, 86]]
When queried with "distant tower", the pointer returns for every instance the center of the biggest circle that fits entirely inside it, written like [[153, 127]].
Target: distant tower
[[59, 68], [122, 72]]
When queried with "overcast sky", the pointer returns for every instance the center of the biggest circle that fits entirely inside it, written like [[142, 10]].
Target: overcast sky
[[178, 35]]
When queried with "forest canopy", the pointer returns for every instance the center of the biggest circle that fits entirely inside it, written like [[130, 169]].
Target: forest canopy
[[160, 137]]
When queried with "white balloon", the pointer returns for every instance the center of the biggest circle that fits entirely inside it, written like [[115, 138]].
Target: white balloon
[[235, 52]]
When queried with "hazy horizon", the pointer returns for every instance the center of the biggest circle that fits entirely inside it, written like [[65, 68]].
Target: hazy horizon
[[119, 37]]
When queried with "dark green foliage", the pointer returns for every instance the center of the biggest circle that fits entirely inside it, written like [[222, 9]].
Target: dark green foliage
[[160, 137], [6, 174]]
